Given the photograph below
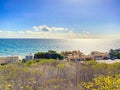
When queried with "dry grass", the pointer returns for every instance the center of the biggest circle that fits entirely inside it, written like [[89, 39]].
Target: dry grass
[[52, 75]]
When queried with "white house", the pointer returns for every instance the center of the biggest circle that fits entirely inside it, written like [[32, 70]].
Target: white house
[[29, 57]]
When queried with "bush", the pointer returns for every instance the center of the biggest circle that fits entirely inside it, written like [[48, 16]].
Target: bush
[[60, 66], [29, 62], [103, 83], [49, 74], [47, 61], [114, 54], [48, 55]]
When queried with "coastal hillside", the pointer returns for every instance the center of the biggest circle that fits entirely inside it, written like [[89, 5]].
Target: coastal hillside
[[59, 44], [51, 74]]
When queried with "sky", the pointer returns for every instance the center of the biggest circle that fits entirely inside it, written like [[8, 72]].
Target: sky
[[72, 19]]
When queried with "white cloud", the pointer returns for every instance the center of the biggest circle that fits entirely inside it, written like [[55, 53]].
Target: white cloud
[[45, 28], [41, 34], [28, 32], [52, 32]]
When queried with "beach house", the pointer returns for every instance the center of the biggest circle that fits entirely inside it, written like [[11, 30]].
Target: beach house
[[28, 57], [100, 55], [9, 59], [73, 55], [88, 57]]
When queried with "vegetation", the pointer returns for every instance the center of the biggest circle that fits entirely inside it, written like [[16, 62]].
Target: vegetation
[[103, 83], [44, 74], [48, 55], [114, 54]]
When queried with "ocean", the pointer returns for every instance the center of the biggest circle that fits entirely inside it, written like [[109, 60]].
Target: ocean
[[23, 47]]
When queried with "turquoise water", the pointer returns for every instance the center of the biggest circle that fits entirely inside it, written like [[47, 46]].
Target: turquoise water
[[25, 46]]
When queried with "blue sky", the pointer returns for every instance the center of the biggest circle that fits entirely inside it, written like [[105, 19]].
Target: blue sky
[[59, 18]]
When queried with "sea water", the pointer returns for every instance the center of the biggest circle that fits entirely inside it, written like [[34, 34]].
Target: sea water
[[23, 47]]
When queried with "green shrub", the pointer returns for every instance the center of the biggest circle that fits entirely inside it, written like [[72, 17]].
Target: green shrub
[[60, 65], [114, 54], [48, 55], [47, 61], [29, 62], [103, 83]]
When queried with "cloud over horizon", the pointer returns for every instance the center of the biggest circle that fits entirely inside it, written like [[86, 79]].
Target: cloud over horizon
[[45, 28], [44, 31]]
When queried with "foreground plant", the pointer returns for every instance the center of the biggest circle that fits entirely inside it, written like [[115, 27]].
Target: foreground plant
[[103, 83]]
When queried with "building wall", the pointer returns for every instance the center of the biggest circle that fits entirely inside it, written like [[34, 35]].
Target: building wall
[[29, 57], [73, 55], [5, 60], [99, 55]]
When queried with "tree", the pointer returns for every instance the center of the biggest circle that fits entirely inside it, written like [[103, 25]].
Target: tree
[[114, 54], [48, 55]]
